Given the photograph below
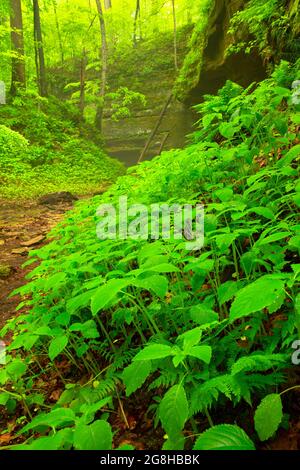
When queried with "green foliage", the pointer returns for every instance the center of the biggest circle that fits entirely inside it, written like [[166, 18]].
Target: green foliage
[[262, 293], [71, 427], [14, 154], [173, 412], [62, 155], [203, 331], [268, 416], [272, 27], [224, 437], [123, 101]]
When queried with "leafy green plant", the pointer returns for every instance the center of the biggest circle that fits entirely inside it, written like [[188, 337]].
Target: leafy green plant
[[46, 152], [224, 437], [202, 332], [269, 414], [272, 27]]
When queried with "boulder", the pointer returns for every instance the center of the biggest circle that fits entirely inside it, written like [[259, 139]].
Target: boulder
[[57, 198]]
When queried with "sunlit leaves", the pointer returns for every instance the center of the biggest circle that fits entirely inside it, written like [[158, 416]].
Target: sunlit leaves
[[256, 296], [224, 437], [173, 411], [268, 416]]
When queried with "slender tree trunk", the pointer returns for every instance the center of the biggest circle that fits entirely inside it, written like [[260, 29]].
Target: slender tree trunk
[[107, 4], [18, 76], [62, 58], [104, 58], [39, 50], [175, 36], [136, 17], [82, 82]]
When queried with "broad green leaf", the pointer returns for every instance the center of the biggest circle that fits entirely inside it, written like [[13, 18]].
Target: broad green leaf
[[89, 410], [256, 296], [190, 338], [176, 443], [225, 240], [263, 211], [157, 284], [135, 375], [4, 397], [55, 281], [55, 418], [16, 369], [227, 290], [54, 442], [227, 130], [88, 329], [155, 260], [164, 268], [202, 314], [179, 358], [80, 301], [209, 118], [275, 237], [63, 319], [203, 353], [106, 293], [150, 250], [293, 153], [95, 436], [43, 331], [268, 416], [154, 351], [173, 411], [224, 437], [225, 194], [56, 346]]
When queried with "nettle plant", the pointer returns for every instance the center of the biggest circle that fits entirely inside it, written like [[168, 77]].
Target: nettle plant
[[202, 331]]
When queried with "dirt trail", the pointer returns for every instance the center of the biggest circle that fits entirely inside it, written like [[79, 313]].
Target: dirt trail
[[23, 227]]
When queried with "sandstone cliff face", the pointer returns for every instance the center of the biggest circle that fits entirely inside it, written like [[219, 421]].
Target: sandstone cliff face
[[205, 67]]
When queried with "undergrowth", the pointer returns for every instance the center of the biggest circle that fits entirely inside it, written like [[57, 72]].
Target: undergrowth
[[271, 26], [206, 333], [45, 149]]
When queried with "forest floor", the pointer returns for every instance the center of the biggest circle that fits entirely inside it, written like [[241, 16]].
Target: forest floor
[[23, 227]]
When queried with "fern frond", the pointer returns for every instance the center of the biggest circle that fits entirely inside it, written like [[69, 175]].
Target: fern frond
[[206, 394], [165, 380], [259, 362], [106, 387]]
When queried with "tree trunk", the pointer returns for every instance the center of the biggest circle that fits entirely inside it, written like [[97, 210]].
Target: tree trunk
[[107, 4], [175, 36], [18, 76], [62, 58], [39, 50], [103, 57], [82, 82], [136, 17]]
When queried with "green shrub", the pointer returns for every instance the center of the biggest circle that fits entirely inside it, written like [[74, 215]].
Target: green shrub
[[13, 149], [57, 153]]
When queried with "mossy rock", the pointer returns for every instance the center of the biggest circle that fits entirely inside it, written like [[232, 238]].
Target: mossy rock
[[5, 271]]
